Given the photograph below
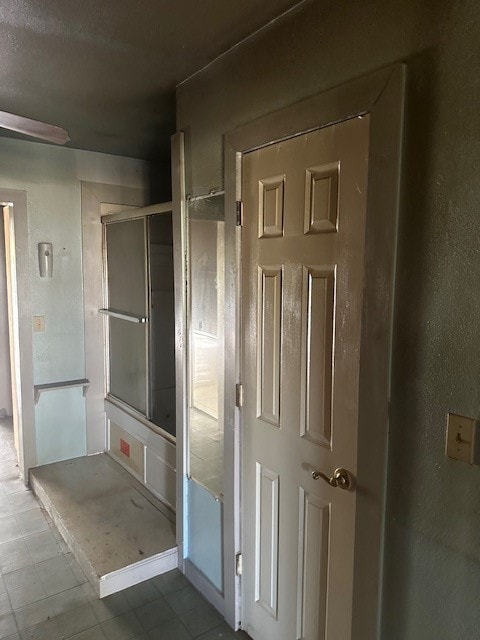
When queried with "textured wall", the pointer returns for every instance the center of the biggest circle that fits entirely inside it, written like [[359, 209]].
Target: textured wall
[[432, 552], [51, 177]]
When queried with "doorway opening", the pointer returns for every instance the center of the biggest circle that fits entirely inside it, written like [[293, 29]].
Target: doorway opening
[[17, 368], [6, 403]]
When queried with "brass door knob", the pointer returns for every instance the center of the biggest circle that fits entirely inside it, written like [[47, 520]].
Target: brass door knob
[[341, 478]]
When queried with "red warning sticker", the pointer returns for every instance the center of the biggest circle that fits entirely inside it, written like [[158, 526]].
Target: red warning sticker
[[124, 447]]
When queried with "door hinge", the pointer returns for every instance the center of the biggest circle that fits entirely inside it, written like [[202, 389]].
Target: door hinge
[[238, 564], [239, 204], [239, 394]]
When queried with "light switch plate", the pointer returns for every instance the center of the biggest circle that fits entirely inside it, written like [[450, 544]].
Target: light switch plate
[[461, 433], [38, 323]]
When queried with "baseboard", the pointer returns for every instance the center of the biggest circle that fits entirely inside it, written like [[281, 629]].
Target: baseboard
[[137, 572]]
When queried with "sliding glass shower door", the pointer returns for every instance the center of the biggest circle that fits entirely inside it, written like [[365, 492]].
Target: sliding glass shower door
[[139, 296], [128, 312]]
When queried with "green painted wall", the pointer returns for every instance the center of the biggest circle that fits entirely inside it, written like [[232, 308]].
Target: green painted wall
[[52, 177], [432, 550]]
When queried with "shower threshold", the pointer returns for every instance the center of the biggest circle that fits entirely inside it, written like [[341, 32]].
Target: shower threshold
[[117, 530]]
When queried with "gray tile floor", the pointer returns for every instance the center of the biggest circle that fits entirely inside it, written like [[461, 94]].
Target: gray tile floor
[[45, 596]]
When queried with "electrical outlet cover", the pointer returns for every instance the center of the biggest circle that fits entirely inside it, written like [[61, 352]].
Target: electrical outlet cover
[[38, 323]]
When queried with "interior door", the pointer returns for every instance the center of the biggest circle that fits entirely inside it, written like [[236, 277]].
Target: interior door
[[302, 279]]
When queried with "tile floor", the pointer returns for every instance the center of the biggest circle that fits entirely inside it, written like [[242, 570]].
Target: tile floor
[[45, 596]]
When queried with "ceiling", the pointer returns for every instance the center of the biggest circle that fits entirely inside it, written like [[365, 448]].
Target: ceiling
[[107, 70]]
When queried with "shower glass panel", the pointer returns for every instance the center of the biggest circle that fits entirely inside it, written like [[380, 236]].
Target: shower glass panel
[[206, 340], [128, 353], [126, 291], [162, 321], [141, 316], [126, 266]]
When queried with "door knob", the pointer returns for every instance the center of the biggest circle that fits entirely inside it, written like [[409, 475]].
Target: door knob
[[341, 478]]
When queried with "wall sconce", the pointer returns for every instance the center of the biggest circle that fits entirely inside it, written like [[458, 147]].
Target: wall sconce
[[45, 259]]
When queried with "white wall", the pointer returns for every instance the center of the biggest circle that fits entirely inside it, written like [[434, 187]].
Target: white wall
[[51, 177], [5, 384]]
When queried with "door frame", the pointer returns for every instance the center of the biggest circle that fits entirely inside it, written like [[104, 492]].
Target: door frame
[[14, 202], [380, 94], [180, 269], [93, 196], [182, 358]]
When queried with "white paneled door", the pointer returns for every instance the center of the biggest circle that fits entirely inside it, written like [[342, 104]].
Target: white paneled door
[[302, 280]]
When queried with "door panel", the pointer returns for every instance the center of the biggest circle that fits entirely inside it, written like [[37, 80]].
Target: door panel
[[313, 551], [269, 356], [302, 283], [317, 346], [321, 198], [266, 541], [270, 214]]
